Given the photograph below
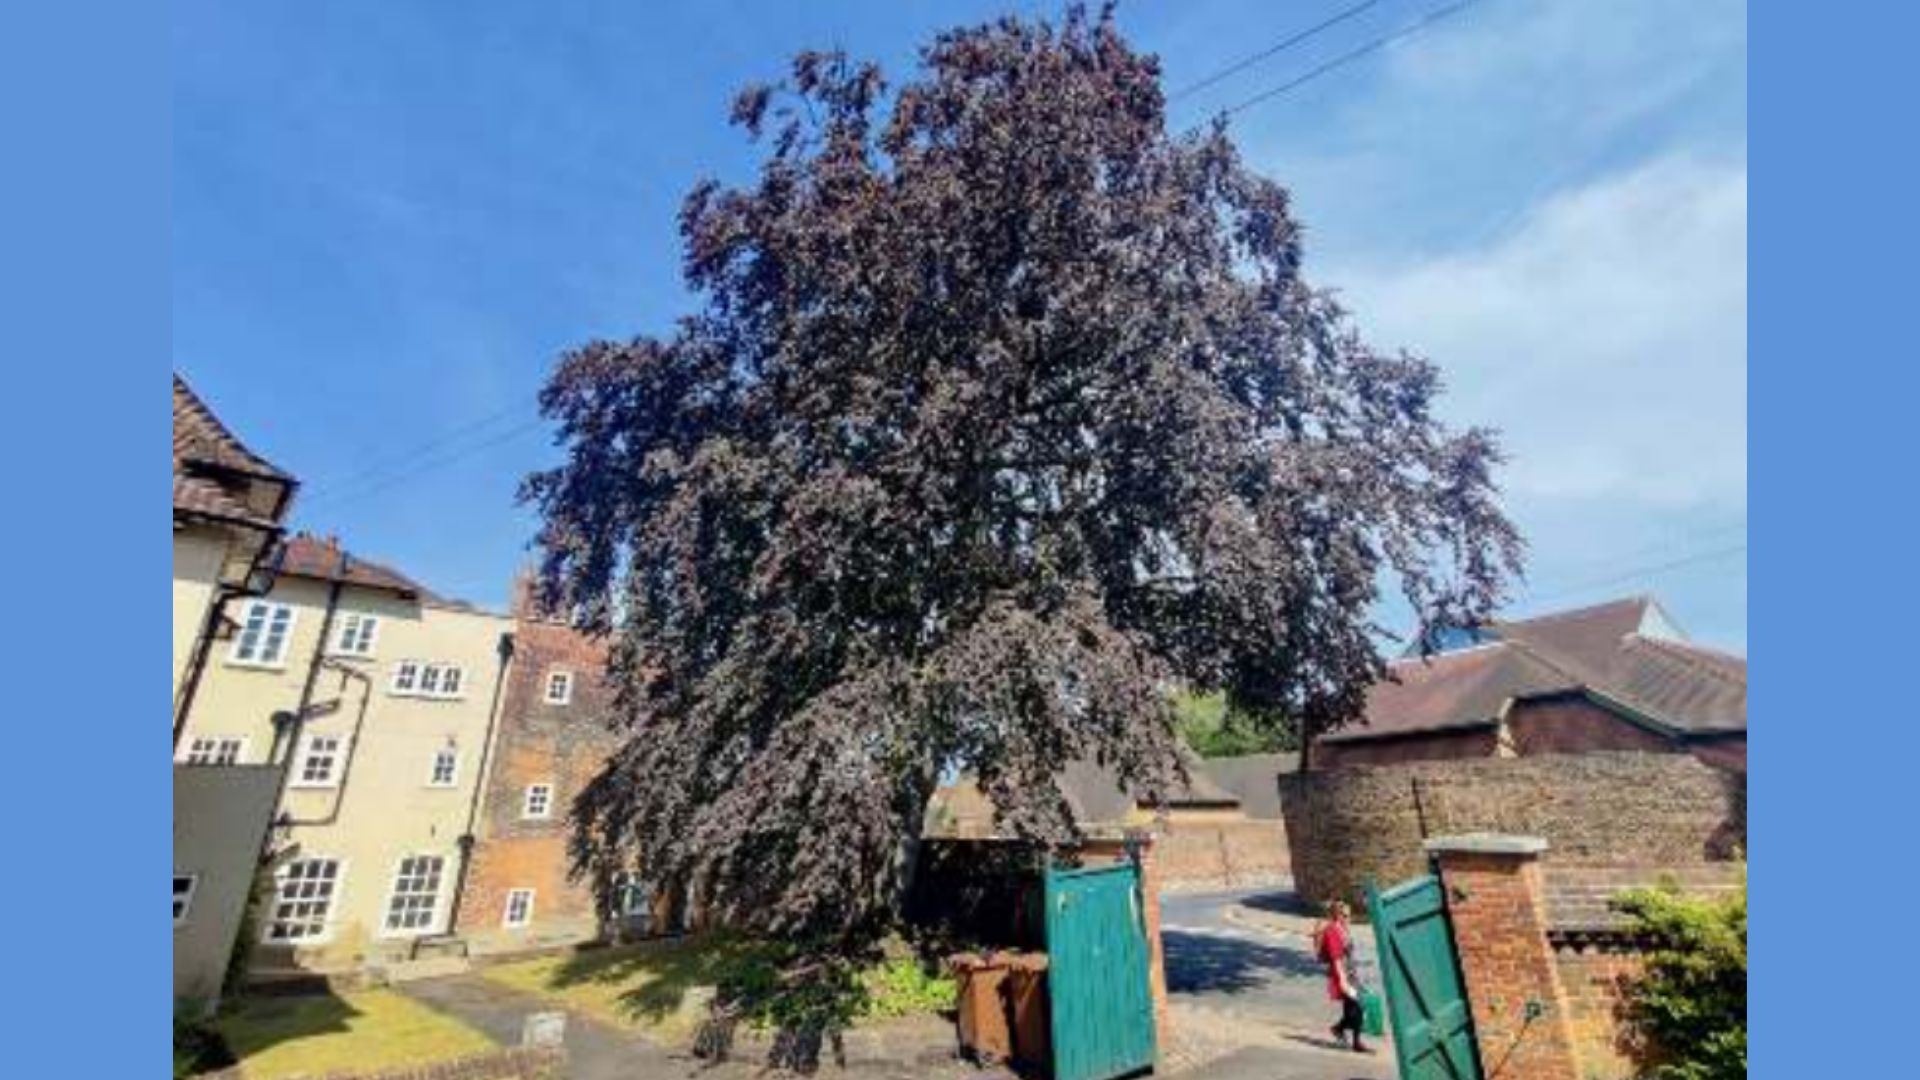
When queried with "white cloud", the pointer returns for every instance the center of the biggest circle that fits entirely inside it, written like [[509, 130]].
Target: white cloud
[[1605, 335]]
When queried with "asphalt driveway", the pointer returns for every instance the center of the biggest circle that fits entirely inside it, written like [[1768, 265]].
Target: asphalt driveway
[[1249, 997]]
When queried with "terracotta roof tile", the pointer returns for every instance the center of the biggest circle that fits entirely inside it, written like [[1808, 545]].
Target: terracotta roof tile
[[199, 436], [309, 556], [214, 474]]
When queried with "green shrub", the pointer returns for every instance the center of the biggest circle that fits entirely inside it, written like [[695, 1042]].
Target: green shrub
[[1691, 1003], [903, 986], [197, 1047]]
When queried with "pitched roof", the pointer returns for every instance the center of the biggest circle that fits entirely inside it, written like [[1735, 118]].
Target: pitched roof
[[1254, 779], [309, 556], [1092, 791], [206, 457], [1620, 650], [200, 437]]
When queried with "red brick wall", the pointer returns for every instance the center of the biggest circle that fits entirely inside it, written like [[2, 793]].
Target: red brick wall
[[1564, 725], [562, 745], [1495, 902], [1528, 931], [1574, 725], [1596, 978], [1726, 753], [1439, 746]]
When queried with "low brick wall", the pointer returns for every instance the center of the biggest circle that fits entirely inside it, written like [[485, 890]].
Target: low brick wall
[[1547, 964], [1347, 826], [1598, 959], [516, 1063], [1221, 854]]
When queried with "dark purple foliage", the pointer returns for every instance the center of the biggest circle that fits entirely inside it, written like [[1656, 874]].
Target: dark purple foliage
[[1004, 413]]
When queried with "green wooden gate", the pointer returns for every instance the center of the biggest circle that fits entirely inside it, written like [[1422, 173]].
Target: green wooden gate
[[1097, 973], [1432, 1029]]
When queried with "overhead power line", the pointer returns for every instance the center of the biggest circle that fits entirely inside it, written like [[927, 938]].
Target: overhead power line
[[1373, 46], [1271, 51], [400, 461], [1641, 572], [343, 496]]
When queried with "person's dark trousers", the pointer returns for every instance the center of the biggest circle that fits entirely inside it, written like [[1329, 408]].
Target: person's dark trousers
[[1349, 1017]]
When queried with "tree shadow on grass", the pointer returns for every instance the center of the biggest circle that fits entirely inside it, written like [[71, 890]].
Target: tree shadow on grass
[[1205, 963], [256, 1024], [661, 976]]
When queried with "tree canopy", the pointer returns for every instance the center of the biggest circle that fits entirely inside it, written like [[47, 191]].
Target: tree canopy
[[1003, 411]]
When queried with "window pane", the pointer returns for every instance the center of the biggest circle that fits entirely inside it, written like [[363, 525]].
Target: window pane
[[276, 641], [248, 643], [303, 900]]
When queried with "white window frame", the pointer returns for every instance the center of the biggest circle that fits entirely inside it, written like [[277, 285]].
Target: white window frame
[[341, 746], [526, 802], [220, 742], [335, 894], [507, 921], [432, 926], [433, 768], [361, 624], [565, 679], [269, 607], [185, 899], [411, 676]]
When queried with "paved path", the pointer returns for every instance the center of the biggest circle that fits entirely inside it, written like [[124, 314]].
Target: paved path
[[1248, 996]]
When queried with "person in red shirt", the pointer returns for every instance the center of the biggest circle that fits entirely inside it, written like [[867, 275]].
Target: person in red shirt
[[1333, 942]]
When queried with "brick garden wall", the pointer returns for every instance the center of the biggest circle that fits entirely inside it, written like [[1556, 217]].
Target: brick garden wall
[[1347, 826], [1547, 963], [1598, 960], [1223, 854]]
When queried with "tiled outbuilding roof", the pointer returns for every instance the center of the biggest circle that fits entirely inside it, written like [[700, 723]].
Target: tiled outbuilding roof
[[309, 556], [1623, 652]]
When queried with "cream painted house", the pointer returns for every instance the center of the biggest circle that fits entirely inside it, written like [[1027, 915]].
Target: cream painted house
[[228, 503], [381, 698]]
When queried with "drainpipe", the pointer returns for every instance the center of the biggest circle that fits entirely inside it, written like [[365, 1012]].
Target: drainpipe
[[466, 841], [286, 730], [283, 719]]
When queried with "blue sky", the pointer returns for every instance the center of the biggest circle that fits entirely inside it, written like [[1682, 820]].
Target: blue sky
[[389, 219]]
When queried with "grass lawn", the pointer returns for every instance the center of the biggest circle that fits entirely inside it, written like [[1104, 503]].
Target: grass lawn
[[661, 988], [361, 1031]]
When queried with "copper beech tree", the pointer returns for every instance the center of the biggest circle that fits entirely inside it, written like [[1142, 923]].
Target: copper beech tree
[[1004, 411]]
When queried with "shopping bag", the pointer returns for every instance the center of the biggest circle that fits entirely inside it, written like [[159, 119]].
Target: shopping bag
[[1373, 1014]]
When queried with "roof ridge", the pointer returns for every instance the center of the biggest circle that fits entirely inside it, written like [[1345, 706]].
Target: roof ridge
[[1451, 654], [1556, 616]]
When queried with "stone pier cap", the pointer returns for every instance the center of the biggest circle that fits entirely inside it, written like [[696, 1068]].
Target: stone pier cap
[[1485, 843]]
